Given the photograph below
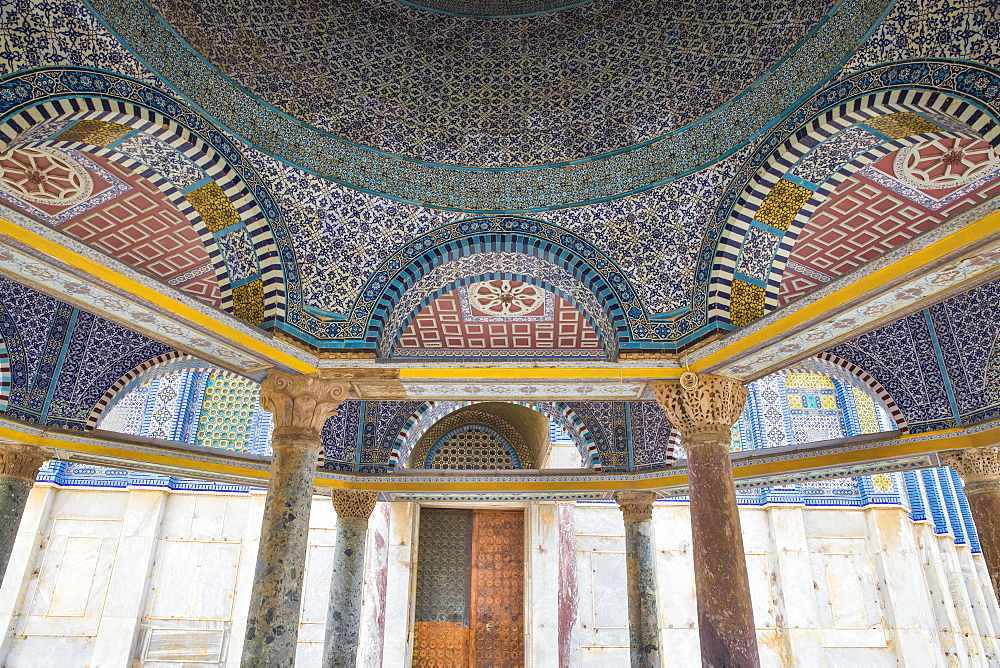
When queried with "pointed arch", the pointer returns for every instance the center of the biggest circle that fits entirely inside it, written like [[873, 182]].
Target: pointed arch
[[126, 381], [961, 91], [430, 412], [58, 94], [828, 364]]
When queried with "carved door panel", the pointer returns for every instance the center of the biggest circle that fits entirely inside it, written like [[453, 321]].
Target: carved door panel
[[469, 608], [497, 610]]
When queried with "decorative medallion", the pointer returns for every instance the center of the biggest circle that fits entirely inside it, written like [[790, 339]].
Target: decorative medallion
[[508, 299], [945, 162], [44, 176]]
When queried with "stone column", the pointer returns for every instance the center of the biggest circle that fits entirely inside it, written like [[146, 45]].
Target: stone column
[[643, 617], [980, 471], [300, 405], [343, 620], [19, 464], [702, 409]]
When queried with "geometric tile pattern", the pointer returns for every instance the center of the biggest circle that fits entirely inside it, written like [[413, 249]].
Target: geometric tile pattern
[[145, 230], [757, 253], [54, 95], [104, 186], [479, 189], [855, 99], [903, 124], [470, 418], [651, 436], [834, 153], [162, 157], [112, 392], [63, 360], [498, 101], [95, 133], [449, 327], [227, 412], [903, 357], [425, 277], [216, 211]]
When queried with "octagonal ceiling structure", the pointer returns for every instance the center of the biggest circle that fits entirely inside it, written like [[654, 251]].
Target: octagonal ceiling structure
[[495, 113]]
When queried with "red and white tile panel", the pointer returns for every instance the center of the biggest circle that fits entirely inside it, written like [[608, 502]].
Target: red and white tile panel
[[870, 213], [442, 329], [142, 228]]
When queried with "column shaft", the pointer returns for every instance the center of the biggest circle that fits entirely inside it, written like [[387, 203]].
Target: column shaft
[[984, 504], [343, 620], [703, 409], [19, 466], [640, 569], [725, 614], [276, 599], [300, 406]]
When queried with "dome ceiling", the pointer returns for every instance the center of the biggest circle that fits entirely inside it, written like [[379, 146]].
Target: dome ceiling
[[493, 7], [496, 92]]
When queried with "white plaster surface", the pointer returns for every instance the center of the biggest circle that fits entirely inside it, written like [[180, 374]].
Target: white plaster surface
[[112, 578]]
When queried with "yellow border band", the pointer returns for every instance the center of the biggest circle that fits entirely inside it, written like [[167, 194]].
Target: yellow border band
[[101, 272], [819, 310], [532, 373]]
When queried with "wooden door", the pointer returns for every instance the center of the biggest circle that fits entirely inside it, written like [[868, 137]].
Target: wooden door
[[497, 610], [470, 589]]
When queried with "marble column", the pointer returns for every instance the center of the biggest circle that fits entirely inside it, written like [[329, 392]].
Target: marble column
[[980, 471], [703, 409], [643, 617], [300, 405], [19, 464], [343, 620]]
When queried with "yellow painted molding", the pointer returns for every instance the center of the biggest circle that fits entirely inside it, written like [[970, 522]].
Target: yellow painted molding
[[823, 308], [540, 373], [112, 449], [99, 271]]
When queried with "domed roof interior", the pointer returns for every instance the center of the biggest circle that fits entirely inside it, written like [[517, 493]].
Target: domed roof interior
[[504, 91]]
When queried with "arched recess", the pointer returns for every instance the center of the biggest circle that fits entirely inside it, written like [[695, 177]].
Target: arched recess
[[961, 91], [827, 364], [431, 412], [497, 245], [422, 456], [159, 365], [239, 256], [62, 94], [569, 289]]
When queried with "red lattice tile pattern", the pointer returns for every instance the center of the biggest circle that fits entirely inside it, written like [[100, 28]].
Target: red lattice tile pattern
[[859, 222], [440, 327], [145, 230]]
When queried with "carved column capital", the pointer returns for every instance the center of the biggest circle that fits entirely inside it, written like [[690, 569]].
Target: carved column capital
[[701, 407], [299, 403], [354, 504], [636, 506], [22, 461], [975, 465]]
